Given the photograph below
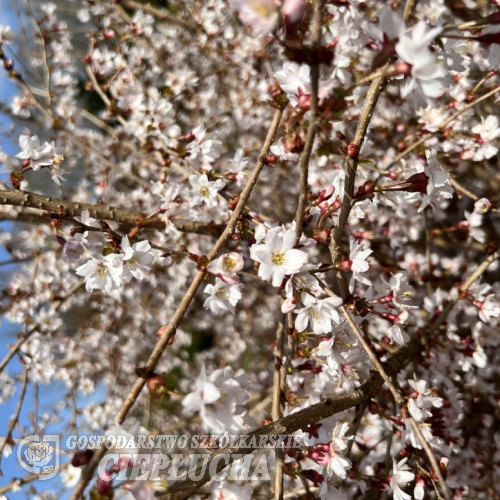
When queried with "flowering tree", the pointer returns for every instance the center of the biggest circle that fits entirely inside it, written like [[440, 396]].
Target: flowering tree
[[266, 218]]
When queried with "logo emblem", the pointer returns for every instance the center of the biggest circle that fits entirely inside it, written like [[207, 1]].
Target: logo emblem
[[39, 455]]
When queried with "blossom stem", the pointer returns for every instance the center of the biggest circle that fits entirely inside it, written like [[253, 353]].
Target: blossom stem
[[313, 123], [182, 307]]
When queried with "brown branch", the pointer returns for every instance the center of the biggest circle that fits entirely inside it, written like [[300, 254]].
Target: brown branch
[[395, 394], [16, 483], [276, 406], [169, 330], [15, 418], [352, 164], [330, 406], [66, 210], [299, 420], [313, 122]]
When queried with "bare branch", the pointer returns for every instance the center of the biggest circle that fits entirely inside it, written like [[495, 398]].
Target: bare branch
[[169, 330]]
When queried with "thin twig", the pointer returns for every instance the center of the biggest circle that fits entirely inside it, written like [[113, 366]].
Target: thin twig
[[396, 395], [15, 348], [276, 407], [313, 122], [15, 418], [455, 115], [328, 407], [169, 330]]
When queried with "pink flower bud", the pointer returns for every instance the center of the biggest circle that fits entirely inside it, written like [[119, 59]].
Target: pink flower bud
[[288, 305], [313, 476], [105, 482], [319, 457], [326, 193], [81, 458], [403, 68], [292, 11], [417, 183], [304, 103]]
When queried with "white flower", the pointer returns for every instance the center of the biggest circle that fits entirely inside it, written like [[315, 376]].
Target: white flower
[[238, 165], [431, 117], [277, 256], [204, 147], [411, 435], [400, 477], [137, 259], [19, 106], [5, 34], [419, 406], [473, 225], [489, 308], [389, 24], [71, 475], [74, 248], [292, 78], [223, 296], [397, 332], [102, 274], [39, 156], [55, 168], [219, 398], [413, 49], [437, 177], [329, 349], [359, 265], [295, 81], [319, 312], [261, 15], [202, 190], [338, 464], [227, 266], [205, 393], [482, 206], [489, 131], [437, 184], [400, 290], [302, 282], [280, 151]]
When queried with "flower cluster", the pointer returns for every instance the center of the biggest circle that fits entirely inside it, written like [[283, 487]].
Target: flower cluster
[[265, 205]]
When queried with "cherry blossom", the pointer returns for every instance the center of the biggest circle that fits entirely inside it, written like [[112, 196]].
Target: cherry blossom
[[137, 259], [219, 398], [261, 15], [338, 463], [39, 155], [223, 296], [318, 312], [401, 476], [277, 257], [488, 130], [102, 274], [226, 267], [426, 73], [358, 263], [134, 286], [205, 191]]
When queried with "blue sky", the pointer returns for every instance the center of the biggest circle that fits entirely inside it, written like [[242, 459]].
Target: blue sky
[[48, 395]]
